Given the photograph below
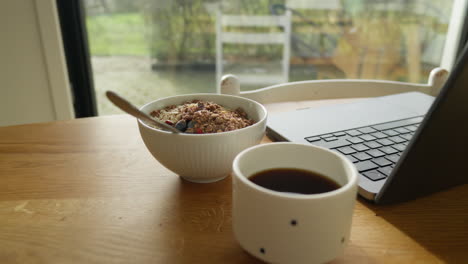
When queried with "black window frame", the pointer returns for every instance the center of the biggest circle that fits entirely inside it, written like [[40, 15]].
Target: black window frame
[[75, 41]]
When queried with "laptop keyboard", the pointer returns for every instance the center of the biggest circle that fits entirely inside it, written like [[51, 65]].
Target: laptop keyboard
[[375, 149]]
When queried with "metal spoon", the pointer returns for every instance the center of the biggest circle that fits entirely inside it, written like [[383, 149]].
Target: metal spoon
[[129, 108]]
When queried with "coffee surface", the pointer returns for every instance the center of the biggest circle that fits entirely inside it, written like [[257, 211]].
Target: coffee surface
[[294, 181]]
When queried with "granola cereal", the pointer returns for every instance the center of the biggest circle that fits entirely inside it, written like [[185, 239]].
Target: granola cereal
[[202, 117]]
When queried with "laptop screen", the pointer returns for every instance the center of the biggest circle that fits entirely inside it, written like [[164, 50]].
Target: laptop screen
[[435, 159]]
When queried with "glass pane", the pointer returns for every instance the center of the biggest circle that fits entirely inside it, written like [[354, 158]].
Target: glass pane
[[150, 49]]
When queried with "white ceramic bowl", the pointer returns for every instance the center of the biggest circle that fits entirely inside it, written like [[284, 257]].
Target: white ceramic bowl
[[203, 157]]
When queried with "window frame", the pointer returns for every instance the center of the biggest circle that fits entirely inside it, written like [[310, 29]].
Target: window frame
[[75, 41]]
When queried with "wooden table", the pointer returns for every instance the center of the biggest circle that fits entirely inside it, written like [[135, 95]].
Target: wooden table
[[88, 191]]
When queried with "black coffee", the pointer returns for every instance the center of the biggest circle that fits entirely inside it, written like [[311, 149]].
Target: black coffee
[[294, 181]]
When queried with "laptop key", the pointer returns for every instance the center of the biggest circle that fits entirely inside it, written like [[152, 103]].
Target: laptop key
[[390, 132], [339, 134], [405, 122], [402, 130], [372, 144], [375, 153], [353, 132], [397, 139], [367, 137], [407, 136], [366, 130], [388, 150], [312, 139], [360, 147], [347, 150], [352, 159], [385, 170], [332, 144], [362, 156], [355, 140], [384, 142], [399, 147], [374, 175], [365, 166], [378, 135], [412, 128], [382, 162], [330, 138], [393, 158], [326, 136]]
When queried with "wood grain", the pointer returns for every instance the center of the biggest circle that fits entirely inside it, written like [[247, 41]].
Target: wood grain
[[88, 191]]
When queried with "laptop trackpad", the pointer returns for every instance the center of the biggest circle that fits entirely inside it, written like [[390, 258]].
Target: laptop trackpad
[[296, 125]]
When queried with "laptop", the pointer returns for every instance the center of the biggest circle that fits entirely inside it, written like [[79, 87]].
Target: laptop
[[404, 146]]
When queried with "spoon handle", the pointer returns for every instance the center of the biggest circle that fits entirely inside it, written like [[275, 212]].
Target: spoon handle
[[129, 108]]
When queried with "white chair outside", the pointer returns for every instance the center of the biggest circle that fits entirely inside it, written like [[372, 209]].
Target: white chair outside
[[256, 38], [331, 5], [333, 89]]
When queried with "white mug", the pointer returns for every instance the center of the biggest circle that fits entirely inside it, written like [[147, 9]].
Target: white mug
[[280, 227]]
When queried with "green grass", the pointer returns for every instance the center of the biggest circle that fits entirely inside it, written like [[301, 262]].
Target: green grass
[[117, 34]]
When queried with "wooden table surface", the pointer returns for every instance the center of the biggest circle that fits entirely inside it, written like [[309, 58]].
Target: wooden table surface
[[88, 191]]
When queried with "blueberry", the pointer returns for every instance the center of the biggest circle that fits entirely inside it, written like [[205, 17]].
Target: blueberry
[[181, 125], [191, 124]]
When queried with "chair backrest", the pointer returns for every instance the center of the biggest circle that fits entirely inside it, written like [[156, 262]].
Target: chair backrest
[[256, 38], [333, 89], [315, 4]]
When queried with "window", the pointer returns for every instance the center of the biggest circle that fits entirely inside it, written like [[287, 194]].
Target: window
[[150, 49]]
